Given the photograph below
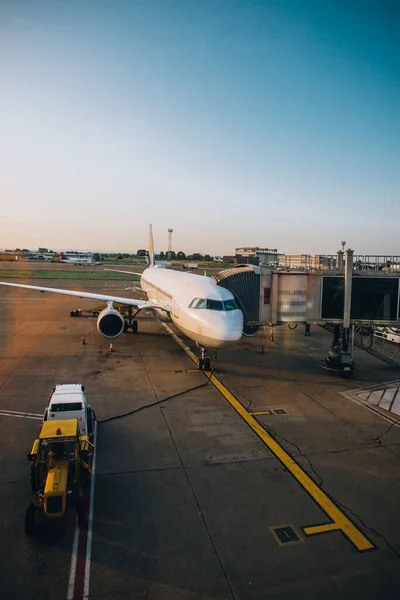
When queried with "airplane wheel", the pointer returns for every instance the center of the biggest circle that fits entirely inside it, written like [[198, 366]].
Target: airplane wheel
[[134, 326], [205, 364]]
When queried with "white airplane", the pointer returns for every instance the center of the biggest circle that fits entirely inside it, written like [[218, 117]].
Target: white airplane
[[198, 307], [77, 259]]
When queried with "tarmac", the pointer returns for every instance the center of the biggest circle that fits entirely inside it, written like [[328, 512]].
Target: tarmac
[[265, 481]]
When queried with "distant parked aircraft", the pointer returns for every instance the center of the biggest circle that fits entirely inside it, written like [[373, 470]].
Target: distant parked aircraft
[[77, 259]]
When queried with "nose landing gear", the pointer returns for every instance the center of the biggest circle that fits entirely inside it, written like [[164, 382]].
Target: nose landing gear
[[204, 363]]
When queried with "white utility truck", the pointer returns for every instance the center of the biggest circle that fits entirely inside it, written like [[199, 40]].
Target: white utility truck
[[68, 401]]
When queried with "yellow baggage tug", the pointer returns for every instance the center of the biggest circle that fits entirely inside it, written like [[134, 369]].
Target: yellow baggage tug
[[61, 465]]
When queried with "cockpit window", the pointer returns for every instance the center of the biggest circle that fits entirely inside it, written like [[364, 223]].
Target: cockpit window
[[214, 305], [230, 304]]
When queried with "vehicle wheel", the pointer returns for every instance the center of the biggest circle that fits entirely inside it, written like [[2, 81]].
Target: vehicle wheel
[[85, 479], [134, 326], [33, 478], [95, 314], [346, 374], [292, 326], [30, 519], [72, 313]]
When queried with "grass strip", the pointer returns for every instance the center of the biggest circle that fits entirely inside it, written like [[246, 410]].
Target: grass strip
[[67, 274]]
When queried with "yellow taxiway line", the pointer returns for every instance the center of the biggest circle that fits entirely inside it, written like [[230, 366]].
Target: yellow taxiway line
[[338, 518], [321, 528]]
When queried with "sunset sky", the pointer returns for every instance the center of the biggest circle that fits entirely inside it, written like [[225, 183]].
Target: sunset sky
[[234, 122]]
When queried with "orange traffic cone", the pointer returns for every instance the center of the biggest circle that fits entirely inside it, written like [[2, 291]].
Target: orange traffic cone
[[83, 341], [110, 347]]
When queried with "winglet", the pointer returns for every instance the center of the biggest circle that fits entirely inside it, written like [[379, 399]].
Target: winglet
[[151, 247]]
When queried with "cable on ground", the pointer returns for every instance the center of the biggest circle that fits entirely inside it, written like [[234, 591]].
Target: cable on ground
[[157, 402]]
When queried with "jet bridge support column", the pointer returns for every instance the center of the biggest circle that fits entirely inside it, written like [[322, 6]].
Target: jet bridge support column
[[340, 357]]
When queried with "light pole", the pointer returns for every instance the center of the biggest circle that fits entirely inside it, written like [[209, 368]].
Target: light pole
[[169, 243]]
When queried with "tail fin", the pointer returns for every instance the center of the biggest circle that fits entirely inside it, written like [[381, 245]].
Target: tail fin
[[151, 247]]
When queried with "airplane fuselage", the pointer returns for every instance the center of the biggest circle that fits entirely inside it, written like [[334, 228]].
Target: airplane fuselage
[[77, 261], [202, 310]]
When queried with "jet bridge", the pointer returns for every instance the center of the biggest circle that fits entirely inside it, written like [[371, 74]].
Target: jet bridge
[[341, 298]]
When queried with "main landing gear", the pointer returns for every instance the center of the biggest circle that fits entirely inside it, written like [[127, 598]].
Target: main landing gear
[[130, 321], [204, 360]]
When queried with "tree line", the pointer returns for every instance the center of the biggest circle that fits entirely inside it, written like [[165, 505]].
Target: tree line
[[97, 256]]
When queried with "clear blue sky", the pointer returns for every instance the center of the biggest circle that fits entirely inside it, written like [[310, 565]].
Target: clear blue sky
[[235, 122]]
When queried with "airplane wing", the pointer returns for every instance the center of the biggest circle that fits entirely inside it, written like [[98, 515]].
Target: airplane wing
[[121, 300], [119, 271]]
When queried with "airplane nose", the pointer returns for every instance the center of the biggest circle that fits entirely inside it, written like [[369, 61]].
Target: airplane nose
[[235, 327], [229, 329]]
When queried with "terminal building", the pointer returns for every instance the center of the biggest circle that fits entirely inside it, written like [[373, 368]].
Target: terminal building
[[253, 255], [270, 257]]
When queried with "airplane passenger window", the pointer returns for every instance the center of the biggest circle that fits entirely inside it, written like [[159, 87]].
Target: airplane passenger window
[[215, 305], [230, 304], [201, 304], [193, 302]]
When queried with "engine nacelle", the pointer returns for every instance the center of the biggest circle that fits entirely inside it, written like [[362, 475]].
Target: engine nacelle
[[251, 330], [110, 323]]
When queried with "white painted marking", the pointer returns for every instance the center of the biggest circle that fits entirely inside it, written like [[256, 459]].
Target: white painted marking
[[75, 544], [396, 406], [72, 570], [387, 398], [90, 521], [20, 415], [375, 397], [364, 395]]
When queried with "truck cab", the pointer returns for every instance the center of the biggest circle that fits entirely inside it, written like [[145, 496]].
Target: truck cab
[[68, 401]]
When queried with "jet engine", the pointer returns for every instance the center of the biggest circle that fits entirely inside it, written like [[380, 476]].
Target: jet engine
[[110, 323], [251, 330]]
